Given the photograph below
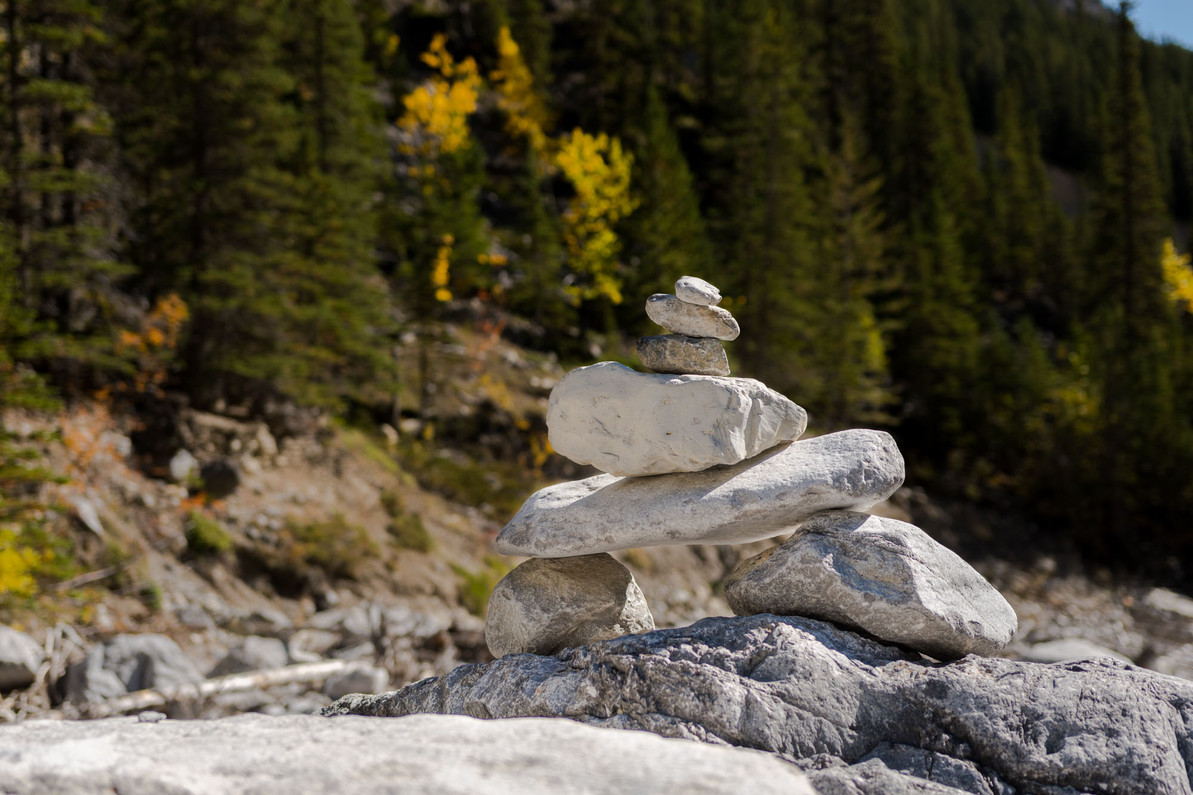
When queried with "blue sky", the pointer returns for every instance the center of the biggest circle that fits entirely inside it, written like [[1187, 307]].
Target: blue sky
[[1159, 19]]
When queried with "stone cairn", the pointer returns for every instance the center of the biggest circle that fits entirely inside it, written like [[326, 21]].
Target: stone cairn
[[693, 456]]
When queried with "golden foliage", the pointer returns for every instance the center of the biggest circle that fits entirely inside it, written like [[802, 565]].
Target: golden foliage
[[437, 112], [526, 116], [440, 272], [17, 565], [599, 170], [1178, 275], [153, 345]]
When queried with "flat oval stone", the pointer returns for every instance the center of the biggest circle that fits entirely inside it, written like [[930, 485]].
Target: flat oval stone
[[880, 575], [759, 498], [548, 604], [692, 290], [691, 320], [628, 423], [675, 353]]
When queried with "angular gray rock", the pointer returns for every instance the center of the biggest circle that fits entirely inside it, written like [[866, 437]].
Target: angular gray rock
[[126, 663], [680, 317], [360, 679], [548, 604], [20, 658], [628, 423], [425, 754], [883, 576], [675, 353], [759, 498], [822, 696], [253, 653], [693, 290]]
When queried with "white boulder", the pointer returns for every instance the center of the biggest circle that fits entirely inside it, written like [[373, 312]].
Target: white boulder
[[628, 423]]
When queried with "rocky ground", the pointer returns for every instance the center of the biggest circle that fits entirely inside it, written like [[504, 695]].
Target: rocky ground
[[274, 566]]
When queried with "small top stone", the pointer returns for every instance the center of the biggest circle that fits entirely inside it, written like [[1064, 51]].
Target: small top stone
[[693, 290]]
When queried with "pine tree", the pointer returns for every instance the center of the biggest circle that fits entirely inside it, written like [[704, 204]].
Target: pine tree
[[1127, 305], [330, 266], [757, 145], [59, 211], [665, 237]]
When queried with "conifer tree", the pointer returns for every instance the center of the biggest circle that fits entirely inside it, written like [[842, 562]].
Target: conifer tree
[[665, 237], [329, 267], [758, 148], [58, 209]]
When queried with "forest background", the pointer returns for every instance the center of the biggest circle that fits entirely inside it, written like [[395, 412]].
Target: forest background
[[960, 220]]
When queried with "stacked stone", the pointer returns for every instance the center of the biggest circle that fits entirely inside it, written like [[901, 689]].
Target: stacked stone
[[701, 458], [697, 326]]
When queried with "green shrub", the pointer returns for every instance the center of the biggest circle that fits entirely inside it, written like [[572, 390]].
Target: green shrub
[[476, 587], [406, 529], [205, 536], [335, 546]]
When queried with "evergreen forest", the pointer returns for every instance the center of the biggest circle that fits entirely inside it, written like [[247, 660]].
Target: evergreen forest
[[964, 221]]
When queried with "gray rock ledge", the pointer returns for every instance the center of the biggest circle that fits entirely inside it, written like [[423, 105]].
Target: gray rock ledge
[[429, 754], [823, 697], [759, 498]]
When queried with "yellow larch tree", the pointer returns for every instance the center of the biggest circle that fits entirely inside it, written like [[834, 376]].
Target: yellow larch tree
[[1178, 275], [599, 170]]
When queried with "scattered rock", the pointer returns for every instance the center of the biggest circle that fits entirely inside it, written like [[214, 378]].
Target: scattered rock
[[20, 658], [883, 576], [220, 478], [692, 290], [87, 513], [675, 353], [426, 754], [358, 679], [756, 499], [628, 423], [818, 696], [691, 320], [126, 663], [1068, 650], [253, 653], [547, 604], [182, 466]]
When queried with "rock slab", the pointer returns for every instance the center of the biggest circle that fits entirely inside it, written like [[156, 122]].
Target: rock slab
[[675, 353], [821, 696], [757, 499], [422, 754], [628, 423], [692, 320], [883, 576], [548, 604]]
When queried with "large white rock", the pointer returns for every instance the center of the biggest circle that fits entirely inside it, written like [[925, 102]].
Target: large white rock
[[693, 290], [628, 423], [692, 320], [548, 604], [440, 754], [756, 499], [886, 577]]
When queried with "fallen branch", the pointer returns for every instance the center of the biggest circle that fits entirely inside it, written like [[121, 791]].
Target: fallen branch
[[232, 683]]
